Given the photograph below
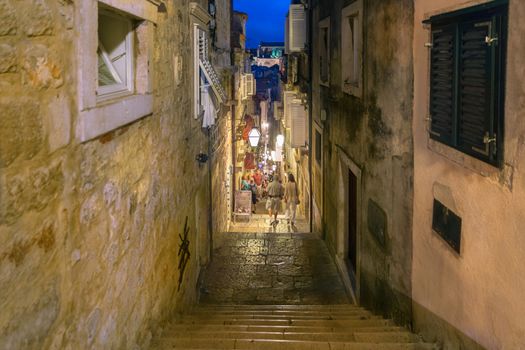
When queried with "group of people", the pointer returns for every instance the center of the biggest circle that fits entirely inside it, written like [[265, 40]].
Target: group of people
[[271, 187]]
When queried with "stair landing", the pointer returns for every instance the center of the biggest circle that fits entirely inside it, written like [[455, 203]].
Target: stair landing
[[271, 268]]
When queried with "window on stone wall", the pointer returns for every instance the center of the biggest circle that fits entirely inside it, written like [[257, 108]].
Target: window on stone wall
[[324, 51], [115, 53], [208, 89], [352, 48], [467, 69], [114, 58]]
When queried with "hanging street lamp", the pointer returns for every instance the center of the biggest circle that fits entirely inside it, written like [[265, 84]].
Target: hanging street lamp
[[254, 137]]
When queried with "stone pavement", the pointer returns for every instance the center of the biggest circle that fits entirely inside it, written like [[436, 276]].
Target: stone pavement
[[271, 268], [259, 223]]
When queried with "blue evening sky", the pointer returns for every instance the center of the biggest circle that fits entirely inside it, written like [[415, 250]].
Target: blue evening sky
[[265, 19]]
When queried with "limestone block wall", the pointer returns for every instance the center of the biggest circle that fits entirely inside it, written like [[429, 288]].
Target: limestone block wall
[[89, 232], [370, 134], [473, 299]]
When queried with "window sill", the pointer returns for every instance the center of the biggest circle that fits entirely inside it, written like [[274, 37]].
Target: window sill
[[463, 159], [112, 115], [353, 89]]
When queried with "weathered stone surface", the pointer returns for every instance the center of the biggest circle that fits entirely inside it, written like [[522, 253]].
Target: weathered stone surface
[[32, 189], [58, 126], [101, 221], [7, 59], [32, 322], [235, 277], [39, 20], [66, 11], [8, 21], [41, 69]]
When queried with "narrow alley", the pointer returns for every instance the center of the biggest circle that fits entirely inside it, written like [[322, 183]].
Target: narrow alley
[[254, 174]]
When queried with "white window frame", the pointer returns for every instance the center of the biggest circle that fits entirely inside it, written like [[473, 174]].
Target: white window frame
[[115, 90], [201, 62], [324, 53], [352, 86], [197, 93], [99, 115]]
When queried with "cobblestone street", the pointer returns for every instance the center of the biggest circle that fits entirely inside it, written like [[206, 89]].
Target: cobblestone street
[[271, 268]]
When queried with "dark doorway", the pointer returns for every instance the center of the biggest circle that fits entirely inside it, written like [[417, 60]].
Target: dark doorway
[[352, 221]]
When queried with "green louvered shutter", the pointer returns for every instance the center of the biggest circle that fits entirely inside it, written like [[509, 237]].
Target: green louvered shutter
[[442, 82], [475, 89]]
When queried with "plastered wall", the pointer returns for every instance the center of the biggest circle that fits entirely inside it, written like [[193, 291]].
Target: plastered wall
[[474, 299]]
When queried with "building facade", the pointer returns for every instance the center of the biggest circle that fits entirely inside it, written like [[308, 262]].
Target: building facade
[[416, 147], [466, 281], [105, 213]]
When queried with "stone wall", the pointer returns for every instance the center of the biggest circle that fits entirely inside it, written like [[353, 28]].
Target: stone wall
[[371, 135], [89, 233], [473, 299]]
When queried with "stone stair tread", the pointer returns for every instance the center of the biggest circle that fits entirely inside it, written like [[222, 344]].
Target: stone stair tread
[[362, 328], [281, 317], [334, 323], [302, 307], [280, 312], [382, 335], [277, 344]]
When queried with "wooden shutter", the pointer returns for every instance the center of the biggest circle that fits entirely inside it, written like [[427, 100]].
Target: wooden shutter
[[475, 88], [442, 82], [298, 127]]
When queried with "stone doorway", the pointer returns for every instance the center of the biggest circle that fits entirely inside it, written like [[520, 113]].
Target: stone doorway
[[349, 223]]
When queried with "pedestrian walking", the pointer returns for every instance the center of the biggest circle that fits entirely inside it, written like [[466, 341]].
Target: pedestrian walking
[[275, 193], [291, 199]]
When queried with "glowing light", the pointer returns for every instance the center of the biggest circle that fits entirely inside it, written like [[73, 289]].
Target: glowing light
[[280, 140], [254, 137]]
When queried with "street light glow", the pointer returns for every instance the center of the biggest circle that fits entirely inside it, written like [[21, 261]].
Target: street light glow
[[280, 140], [254, 137]]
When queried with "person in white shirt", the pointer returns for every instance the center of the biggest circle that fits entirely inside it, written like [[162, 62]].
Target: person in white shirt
[[275, 193], [291, 198]]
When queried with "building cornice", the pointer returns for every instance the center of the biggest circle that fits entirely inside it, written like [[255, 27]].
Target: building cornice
[[200, 13]]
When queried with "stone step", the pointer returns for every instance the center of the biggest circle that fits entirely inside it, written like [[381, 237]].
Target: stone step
[[361, 328], [288, 317], [395, 336], [280, 312], [312, 307], [371, 321], [267, 344]]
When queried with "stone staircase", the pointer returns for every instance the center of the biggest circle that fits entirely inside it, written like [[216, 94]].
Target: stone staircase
[[290, 327]]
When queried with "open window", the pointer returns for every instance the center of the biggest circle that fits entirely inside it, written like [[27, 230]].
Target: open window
[[352, 48], [324, 51], [115, 54]]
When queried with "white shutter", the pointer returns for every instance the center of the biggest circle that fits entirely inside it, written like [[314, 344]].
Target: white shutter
[[264, 111], [250, 85], [243, 87], [288, 99], [298, 127], [205, 65], [277, 110], [297, 28]]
